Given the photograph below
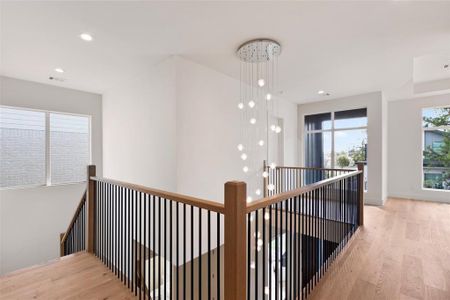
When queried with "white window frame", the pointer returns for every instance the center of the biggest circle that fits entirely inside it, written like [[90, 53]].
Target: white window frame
[[332, 130], [424, 129], [48, 176]]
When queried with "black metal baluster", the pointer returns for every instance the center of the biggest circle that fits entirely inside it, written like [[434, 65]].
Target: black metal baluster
[[121, 233], [116, 232], [316, 223], [276, 251], [143, 265], [178, 249], [294, 247], [149, 245], [281, 252], [270, 253], [111, 228], [154, 244], [286, 249], [170, 249], [309, 256], [200, 253], [129, 236], [165, 248], [291, 235], [192, 252], [140, 245], [249, 256], [218, 256], [184, 251], [108, 224], [209, 254], [257, 236], [159, 247], [105, 223], [264, 259], [135, 236]]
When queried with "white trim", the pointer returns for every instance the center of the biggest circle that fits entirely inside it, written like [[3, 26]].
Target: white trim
[[436, 128], [48, 179], [338, 129], [445, 127]]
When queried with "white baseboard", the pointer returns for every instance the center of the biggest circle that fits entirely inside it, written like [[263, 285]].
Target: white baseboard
[[419, 197]]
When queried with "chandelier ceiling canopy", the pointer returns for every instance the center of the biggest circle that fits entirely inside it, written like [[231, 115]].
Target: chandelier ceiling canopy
[[258, 50]]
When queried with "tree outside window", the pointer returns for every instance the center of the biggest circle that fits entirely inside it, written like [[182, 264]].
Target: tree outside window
[[436, 148]]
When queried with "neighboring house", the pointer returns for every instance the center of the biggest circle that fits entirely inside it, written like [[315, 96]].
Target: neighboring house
[[434, 171]]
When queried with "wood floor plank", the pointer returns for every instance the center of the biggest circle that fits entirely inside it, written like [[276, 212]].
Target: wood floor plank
[[79, 276], [404, 251], [412, 277]]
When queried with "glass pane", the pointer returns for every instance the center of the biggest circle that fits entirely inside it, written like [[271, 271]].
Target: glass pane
[[433, 117], [318, 122], [22, 150], [318, 150], [350, 118], [69, 148], [436, 163], [350, 147]]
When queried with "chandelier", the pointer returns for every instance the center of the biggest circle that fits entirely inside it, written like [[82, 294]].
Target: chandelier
[[259, 127]]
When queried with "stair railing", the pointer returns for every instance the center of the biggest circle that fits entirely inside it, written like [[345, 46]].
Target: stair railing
[[167, 245], [74, 238]]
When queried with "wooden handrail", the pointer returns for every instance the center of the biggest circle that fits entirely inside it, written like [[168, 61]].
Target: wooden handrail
[[74, 218], [264, 202], [314, 168], [202, 203]]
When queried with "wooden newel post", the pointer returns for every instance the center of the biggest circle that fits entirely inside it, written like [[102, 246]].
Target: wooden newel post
[[361, 194], [61, 245], [90, 210], [235, 242]]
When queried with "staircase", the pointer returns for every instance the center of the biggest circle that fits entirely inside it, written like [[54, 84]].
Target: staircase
[[163, 245]]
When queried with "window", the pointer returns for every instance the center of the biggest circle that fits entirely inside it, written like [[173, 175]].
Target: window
[[436, 148], [22, 152], [42, 148], [336, 139], [69, 148]]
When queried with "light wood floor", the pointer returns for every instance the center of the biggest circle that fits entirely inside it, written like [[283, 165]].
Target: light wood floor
[[77, 276], [402, 252]]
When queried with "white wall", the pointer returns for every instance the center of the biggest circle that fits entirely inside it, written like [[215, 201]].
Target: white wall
[[208, 130], [376, 192], [139, 123], [405, 148], [31, 219], [175, 126]]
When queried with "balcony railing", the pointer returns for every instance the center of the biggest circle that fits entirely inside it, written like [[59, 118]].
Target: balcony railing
[[165, 245]]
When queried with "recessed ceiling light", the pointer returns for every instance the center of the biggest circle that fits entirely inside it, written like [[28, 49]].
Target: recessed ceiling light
[[321, 92], [57, 79], [86, 37], [59, 70]]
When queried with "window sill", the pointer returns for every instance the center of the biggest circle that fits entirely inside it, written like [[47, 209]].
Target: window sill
[[435, 190], [40, 186]]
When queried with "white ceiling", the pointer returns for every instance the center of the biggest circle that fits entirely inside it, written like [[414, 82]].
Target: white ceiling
[[343, 48]]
